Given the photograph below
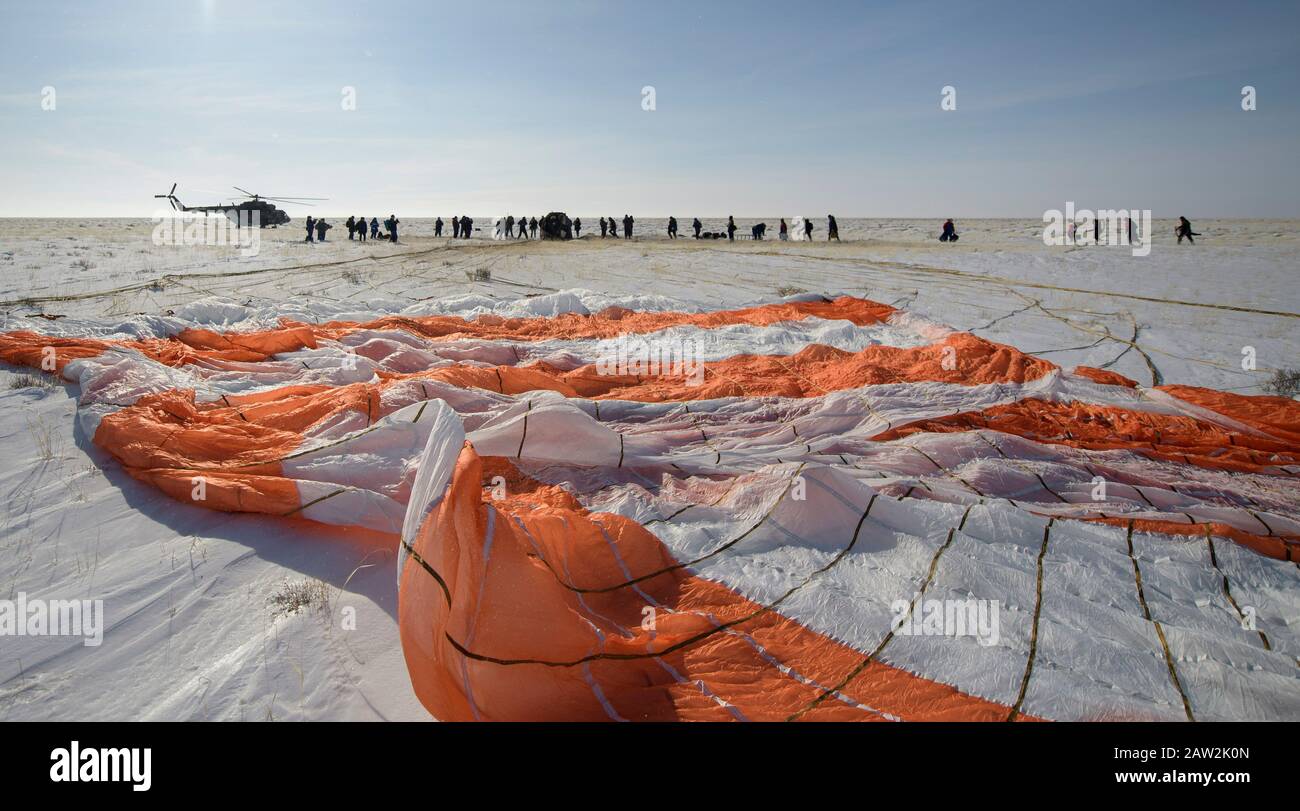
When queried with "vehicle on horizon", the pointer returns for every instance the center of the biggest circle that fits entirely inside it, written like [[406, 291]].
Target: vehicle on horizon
[[268, 213]]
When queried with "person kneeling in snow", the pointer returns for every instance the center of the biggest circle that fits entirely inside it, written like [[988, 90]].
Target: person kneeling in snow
[[949, 232]]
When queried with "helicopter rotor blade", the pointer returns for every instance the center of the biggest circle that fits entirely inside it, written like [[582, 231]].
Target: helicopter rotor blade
[[249, 193], [173, 191]]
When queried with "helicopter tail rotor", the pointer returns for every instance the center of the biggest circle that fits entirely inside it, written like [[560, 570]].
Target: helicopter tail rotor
[[170, 197]]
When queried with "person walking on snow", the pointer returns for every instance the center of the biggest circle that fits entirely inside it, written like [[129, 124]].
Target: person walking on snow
[[1184, 229]]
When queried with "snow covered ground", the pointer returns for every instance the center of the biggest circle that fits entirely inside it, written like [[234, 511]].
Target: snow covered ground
[[200, 624]]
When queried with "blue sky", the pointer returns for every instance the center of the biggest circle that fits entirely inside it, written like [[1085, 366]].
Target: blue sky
[[762, 109]]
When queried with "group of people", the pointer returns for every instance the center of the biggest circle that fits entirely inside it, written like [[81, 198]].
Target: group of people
[[607, 227], [462, 227], [357, 228]]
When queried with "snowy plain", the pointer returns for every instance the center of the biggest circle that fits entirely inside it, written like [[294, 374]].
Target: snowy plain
[[194, 629]]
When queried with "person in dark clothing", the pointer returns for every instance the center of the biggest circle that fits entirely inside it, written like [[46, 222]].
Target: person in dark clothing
[[1184, 229], [949, 232], [672, 228], [352, 228], [784, 233], [532, 226], [697, 225], [455, 227], [832, 228], [361, 228], [807, 229], [523, 228], [604, 228], [577, 226], [466, 228], [311, 228], [374, 228], [321, 228], [437, 227], [627, 226], [510, 226], [731, 229], [393, 230], [613, 229], [758, 231]]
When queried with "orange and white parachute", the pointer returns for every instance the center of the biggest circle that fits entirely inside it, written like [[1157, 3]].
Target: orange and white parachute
[[812, 510]]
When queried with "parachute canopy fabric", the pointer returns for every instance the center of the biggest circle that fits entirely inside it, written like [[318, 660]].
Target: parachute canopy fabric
[[626, 509]]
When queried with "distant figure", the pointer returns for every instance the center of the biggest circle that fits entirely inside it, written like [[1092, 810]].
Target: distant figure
[[784, 233], [532, 226], [466, 228], [613, 229], [1184, 229], [321, 228], [604, 227], [949, 232], [523, 228], [697, 225], [437, 227], [311, 228], [393, 230], [352, 228], [758, 231], [627, 226], [807, 229], [672, 228], [577, 226], [361, 228], [832, 228], [510, 226], [731, 229], [374, 228]]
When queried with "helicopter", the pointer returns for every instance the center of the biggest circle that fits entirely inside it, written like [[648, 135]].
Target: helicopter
[[268, 214]]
